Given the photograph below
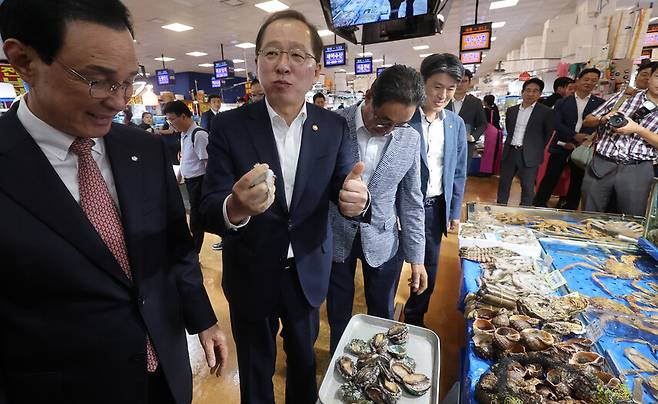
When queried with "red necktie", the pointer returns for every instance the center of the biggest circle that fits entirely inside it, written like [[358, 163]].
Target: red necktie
[[97, 203]]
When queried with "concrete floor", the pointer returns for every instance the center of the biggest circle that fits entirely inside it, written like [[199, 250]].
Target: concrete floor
[[443, 317]]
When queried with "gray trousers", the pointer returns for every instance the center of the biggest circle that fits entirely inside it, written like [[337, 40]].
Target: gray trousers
[[512, 165], [630, 184]]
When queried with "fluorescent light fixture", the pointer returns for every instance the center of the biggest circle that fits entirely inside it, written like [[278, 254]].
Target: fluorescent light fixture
[[424, 55], [206, 65], [196, 54], [246, 45], [503, 4], [238, 61], [177, 27], [325, 32], [238, 69], [387, 65], [421, 47], [272, 6], [365, 54], [493, 38], [653, 19], [341, 70], [499, 24], [350, 72], [165, 59], [378, 61]]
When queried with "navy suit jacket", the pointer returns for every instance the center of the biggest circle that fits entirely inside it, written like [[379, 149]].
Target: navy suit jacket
[[73, 326], [566, 118], [206, 119], [537, 133], [454, 161], [253, 256]]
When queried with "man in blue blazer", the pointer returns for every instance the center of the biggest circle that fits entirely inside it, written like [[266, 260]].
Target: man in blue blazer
[[276, 233], [443, 152], [570, 112], [389, 147], [100, 278], [215, 105]]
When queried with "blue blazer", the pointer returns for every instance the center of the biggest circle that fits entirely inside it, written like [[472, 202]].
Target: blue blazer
[[454, 161], [206, 118], [566, 117], [253, 255]]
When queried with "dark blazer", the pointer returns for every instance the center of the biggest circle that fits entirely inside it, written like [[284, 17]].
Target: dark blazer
[[566, 117], [253, 256], [550, 100], [537, 133], [454, 161], [472, 112], [73, 326], [206, 118]]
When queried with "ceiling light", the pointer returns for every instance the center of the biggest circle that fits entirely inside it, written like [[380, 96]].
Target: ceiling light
[[206, 65], [272, 6], [341, 70], [238, 69], [499, 24], [387, 65], [238, 61], [246, 45], [196, 54], [165, 59], [421, 47], [325, 32], [424, 55], [177, 27], [653, 19], [493, 38], [502, 4], [233, 3], [350, 72], [378, 61], [365, 54], [484, 55]]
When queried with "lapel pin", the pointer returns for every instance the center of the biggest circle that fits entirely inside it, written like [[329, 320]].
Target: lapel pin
[[315, 128], [134, 158]]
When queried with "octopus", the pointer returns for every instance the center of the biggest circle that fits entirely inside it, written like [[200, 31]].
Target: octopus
[[643, 299], [622, 268]]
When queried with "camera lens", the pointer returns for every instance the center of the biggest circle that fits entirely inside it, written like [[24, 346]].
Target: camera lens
[[617, 121]]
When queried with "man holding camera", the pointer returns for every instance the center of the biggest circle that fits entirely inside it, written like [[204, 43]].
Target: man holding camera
[[623, 160]]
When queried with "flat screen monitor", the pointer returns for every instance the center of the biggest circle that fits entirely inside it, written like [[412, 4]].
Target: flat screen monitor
[[471, 68], [363, 65], [224, 69], [475, 37], [335, 55], [380, 70], [651, 38], [216, 83], [470, 57], [348, 13], [165, 77], [408, 28]]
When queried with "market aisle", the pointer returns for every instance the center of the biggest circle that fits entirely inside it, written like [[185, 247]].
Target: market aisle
[[443, 318]]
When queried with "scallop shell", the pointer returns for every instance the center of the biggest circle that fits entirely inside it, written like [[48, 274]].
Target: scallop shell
[[537, 340], [504, 337], [586, 359], [481, 326]]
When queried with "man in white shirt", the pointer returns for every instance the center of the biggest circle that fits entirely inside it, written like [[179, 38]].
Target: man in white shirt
[[390, 149], [277, 239], [529, 127], [194, 158]]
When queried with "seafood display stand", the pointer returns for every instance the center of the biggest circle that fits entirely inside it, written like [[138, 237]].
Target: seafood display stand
[[601, 262]]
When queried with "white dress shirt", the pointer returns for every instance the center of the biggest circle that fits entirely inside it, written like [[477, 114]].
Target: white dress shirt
[[434, 135], [581, 103], [521, 123], [56, 144], [288, 143], [371, 147], [193, 154]]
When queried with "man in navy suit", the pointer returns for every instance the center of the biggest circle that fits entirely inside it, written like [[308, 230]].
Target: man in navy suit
[[100, 278], [570, 132], [215, 105], [443, 155], [277, 239]]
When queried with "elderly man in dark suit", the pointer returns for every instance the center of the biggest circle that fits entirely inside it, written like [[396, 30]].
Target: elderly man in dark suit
[[97, 312], [570, 112], [529, 127], [277, 238], [471, 110]]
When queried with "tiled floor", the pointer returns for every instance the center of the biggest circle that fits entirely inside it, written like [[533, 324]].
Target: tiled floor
[[443, 318]]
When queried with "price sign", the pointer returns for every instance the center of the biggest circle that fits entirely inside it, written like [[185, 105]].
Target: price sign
[[594, 330], [334, 55], [475, 37], [224, 69], [555, 279], [651, 38], [363, 65], [471, 57]]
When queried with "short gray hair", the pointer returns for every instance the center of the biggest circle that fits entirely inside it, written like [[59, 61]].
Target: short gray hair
[[398, 83]]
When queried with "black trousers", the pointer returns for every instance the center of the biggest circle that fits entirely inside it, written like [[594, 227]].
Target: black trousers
[[255, 341], [380, 285], [435, 228], [556, 163], [194, 189], [158, 391], [512, 165]]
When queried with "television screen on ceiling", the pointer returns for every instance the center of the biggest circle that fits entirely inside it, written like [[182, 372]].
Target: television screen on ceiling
[[335, 55], [348, 13], [651, 38], [224, 69], [475, 37], [165, 77], [471, 57], [363, 65]]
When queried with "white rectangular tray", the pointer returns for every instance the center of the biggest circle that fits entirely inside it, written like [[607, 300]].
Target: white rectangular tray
[[423, 345]]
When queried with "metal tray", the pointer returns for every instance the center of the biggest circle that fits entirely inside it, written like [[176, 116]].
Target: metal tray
[[423, 346]]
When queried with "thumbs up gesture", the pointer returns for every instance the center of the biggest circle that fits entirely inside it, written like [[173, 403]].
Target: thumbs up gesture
[[353, 196]]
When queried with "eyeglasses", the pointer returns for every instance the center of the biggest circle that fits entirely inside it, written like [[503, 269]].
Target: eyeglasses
[[296, 56], [388, 124], [101, 89]]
